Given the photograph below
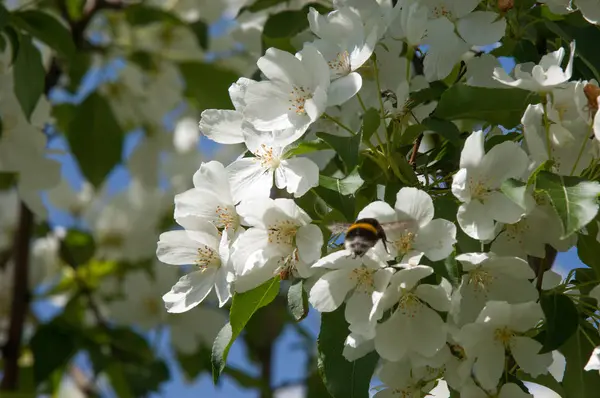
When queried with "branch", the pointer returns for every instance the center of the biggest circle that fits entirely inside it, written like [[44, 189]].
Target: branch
[[413, 157]]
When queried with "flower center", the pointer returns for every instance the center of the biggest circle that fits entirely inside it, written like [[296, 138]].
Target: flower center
[[226, 217], [298, 97], [405, 242], [340, 65], [283, 232], [409, 304], [441, 11], [364, 279], [479, 190], [406, 392], [289, 265], [206, 257], [267, 159], [503, 335], [480, 279], [514, 232]]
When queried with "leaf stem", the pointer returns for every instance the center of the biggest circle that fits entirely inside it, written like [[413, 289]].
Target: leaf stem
[[381, 108], [336, 121], [582, 148], [547, 128], [360, 101]]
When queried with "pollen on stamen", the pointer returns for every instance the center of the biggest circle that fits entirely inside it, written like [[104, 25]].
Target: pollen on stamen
[[364, 279], [503, 335], [405, 242], [340, 65], [299, 95], [481, 280], [206, 257], [282, 232]]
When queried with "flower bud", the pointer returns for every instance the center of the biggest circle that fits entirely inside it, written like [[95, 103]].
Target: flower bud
[[592, 92], [505, 5]]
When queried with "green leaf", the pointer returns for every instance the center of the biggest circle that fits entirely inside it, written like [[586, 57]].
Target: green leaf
[[445, 128], [297, 300], [562, 319], [493, 105], [200, 30], [77, 248], [282, 26], [207, 84], [342, 378], [29, 74], [243, 306], [118, 380], [587, 37], [577, 382], [95, 138], [53, 346], [499, 139], [345, 186], [586, 279], [304, 147], [4, 16], [75, 8], [346, 147], [573, 198], [47, 29], [260, 5], [370, 123], [139, 15], [344, 204], [410, 134], [588, 248], [516, 191]]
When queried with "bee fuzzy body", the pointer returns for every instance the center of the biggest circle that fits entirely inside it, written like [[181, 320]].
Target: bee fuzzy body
[[363, 235]]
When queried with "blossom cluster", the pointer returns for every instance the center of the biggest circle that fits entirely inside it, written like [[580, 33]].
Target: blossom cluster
[[237, 234]]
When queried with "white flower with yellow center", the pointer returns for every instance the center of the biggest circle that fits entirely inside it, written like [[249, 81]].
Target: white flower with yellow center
[[490, 277], [360, 282], [295, 94], [252, 177], [204, 250], [423, 235], [210, 200], [414, 315], [281, 238], [501, 327], [477, 185]]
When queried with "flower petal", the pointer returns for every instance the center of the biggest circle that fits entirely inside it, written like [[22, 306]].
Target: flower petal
[[301, 174], [281, 65], [475, 220], [344, 88], [525, 351], [414, 204], [481, 28], [248, 179], [190, 290], [436, 239], [309, 240], [222, 126], [502, 209], [330, 290]]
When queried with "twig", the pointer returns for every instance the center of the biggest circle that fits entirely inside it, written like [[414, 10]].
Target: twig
[[413, 156]]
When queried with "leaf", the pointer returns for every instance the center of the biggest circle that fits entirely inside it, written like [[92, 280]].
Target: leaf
[[47, 29], [29, 75], [586, 279], [53, 346], [194, 364], [4, 16], [207, 84], [499, 139], [345, 186], [493, 105], [75, 8], [573, 198], [139, 15], [77, 248], [411, 133], [200, 30], [243, 306], [588, 248], [95, 138], [516, 191], [445, 128], [344, 204], [282, 26], [297, 300], [562, 319], [346, 147], [370, 123], [304, 147], [259, 5], [577, 382], [342, 378]]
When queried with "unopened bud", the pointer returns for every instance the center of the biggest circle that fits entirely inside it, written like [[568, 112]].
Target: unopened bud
[[592, 93], [505, 5]]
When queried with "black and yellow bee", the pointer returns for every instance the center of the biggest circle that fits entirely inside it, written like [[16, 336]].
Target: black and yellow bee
[[364, 233]]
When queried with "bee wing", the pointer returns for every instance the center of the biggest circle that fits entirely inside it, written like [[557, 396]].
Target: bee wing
[[338, 227], [397, 225]]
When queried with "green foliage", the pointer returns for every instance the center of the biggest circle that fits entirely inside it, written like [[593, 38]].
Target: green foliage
[[577, 382], [95, 138], [28, 75], [77, 248], [499, 106], [52, 346], [574, 199], [588, 248], [370, 123], [345, 147], [46, 28], [342, 378], [243, 306], [517, 192], [207, 84], [562, 319], [297, 300]]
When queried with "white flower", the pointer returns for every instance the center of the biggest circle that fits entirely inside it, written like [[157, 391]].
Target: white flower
[[445, 49], [345, 45], [594, 361], [253, 176], [357, 346], [424, 235], [500, 327], [207, 252], [209, 201], [509, 390], [422, 329], [411, 23], [542, 77], [63, 196], [418, 113], [295, 94], [490, 277], [280, 238], [362, 280], [405, 380], [477, 185], [186, 135]]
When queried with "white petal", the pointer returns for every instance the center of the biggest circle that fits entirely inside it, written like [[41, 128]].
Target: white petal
[[434, 295], [436, 239], [414, 204], [590, 9], [358, 308], [460, 188], [512, 390], [594, 361], [475, 220], [281, 65], [502, 209], [179, 248], [330, 290], [505, 160], [388, 341], [267, 106], [309, 240], [237, 91], [427, 332], [222, 286], [525, 351], [316, 67], [190, 290], [356, 347], [339, 259], [248, 179], [301, 174], [473, 151], [489, 364], [379, 210], [479, 29], [222, 126], [344, 88]]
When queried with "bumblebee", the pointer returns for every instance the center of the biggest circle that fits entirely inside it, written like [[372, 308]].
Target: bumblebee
[[364, 233]]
